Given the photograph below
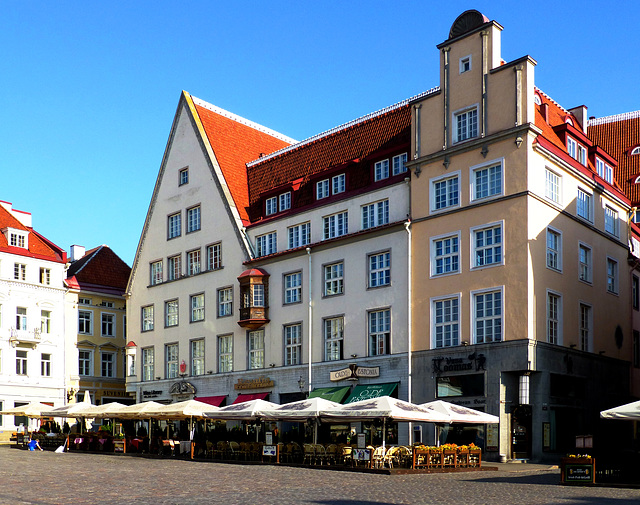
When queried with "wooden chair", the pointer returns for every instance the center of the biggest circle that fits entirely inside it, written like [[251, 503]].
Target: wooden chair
[[331, 452], [309, 454], [234, 450], [210, 449], [296, 453], [391, 457], [346, 455], [377, 458], [321, 454]]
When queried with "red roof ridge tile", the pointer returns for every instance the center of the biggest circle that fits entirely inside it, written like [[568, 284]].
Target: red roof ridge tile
[[552, 100], [614, 118]]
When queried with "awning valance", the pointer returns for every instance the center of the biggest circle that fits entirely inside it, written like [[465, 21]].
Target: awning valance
[[335, 394], [246, 397], [367, 391], [216, 401]]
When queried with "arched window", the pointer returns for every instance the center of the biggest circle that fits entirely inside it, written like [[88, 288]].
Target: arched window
[[635, 150]]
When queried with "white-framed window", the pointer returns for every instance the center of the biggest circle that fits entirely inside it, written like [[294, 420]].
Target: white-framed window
[[554, 249], [45, 276], [271, 206], [572, 148], [299, 235], [20, 271], [171, 361], [333, 330], [379, 269], [156, 272], [612, 276], [147, 364], [174, 267], [634, 151], [147, 318], [465, 125], [197, 357], [21, 362], [267, 244], [582, 155], [445, 254], [225, 353], [605, 171], [487, 316], [552, 186], [445, 321], [45, 364], [584, 263], [379, 322], [334, 279], [193, 262], [322, 189], [292, 288], [285, 201], [584, 205], [585, 319], [84, 301], [85, 322], [225, 302], [381, 170], [257, 295], [18, 239], [214, 256], [171, 313], [85, 362], [197, 307], [193, 219], [174, 225], [554, 318], [45, 321], [292, 344], [107, 365], [375, 214], [486, 180], [335, 225], [611, 221], [256, 349], [445, 192], [108, 324], [21, 318], [465, 64], [338, 184], [487, 243], [183, 176], [399, 164]]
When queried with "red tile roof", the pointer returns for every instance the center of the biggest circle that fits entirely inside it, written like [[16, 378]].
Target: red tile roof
[[100, 269], [618, 135]]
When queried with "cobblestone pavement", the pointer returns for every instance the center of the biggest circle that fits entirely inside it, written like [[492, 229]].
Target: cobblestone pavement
[[44, 478]]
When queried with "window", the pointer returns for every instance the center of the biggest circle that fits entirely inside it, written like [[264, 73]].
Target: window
[[572, 148], [18, 240], [375, 214], [147, 318], [131, 364], [611, 221], [197, 307], [465, 64], [173, 226], [333, 329], [197, 357], [299, 235], [487, 246], [399, 164], [292, 344], [584, 205], [381, 170], [266, 244], [334, 279], [554, 308], [156, 272], [45, 364], [584, 263], [445, 193], [193, 262], [271, 206], [256, 349], [84, 363], [486, 181], [612, 276], [379, 332], [466, 125], [174, 266], [380, 269], [108, 324], [322, 189], [19, 271], [45, 321], [183, 176], [225, 353], [21, 318], [552, 186], [335, 225], [193, 219], [45, 276], [225, 302], [171, 360], [635, 292], [293, 288], [147, 364], [487, 317], [554, 249], [85, 318], [585, 327], [257, 293], [445, 257], [446, 322], [171, 313], [107, 364], [582, 155], [285, 201], [214, 257], [84, 301], [604, 170], [635, 150], [338, 184], [21, 362]]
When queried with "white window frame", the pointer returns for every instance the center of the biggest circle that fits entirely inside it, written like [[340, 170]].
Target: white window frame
[[214, 256], [381, 170], [471, 128], [338, 184], [450, 324], [171, 315], [477, 169], [553, 186], [266, 244], [255, 349], [174, 267], [611, 221], [107, 359], [299, 235], [45, 321], [464, 64], [19, 272], [572, 148], [585, 265], [554, 318], [375, 214], [45, 276], [475, 319], [323, 190], [197, 355], [22, 362], [554, 255], [156, 272], [333, 338], [147, 318], [612, 275], [148, 364], [87, 363], [225, 353], [284, 201], [585, 327], [174, 225], [183, 176], [292, 287], [90, 322], [605, 171], [453, 256], [379, 331], [399, 163], [335, 225], [449, 195], [584, 204], [45, 364], [292, 336], [171, 360], [271, 206], [333, 279], [495, 247], [193, 219], [111, 325], [225, 302], [582, 155], [379, 269], [196, 305]]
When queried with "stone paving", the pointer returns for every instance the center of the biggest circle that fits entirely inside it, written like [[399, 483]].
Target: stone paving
[[44, 478]]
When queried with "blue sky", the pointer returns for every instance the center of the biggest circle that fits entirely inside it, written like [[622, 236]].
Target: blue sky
[[89, 89]]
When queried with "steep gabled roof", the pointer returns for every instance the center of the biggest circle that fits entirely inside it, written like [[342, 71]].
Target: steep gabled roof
[[100, 269], [619, 135]]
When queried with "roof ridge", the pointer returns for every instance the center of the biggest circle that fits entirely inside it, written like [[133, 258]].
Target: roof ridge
[[98, 249], [614, 118], [241, 120], [344, 126], [551, 100]]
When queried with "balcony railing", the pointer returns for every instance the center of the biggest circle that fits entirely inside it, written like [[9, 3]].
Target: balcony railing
[[25, 337]]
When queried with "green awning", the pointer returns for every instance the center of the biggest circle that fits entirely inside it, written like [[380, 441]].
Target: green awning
[[333, 394], [366, 391]]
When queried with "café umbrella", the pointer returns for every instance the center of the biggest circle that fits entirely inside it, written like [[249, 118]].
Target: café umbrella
[[626, 412], [460, 414], [31, 410]]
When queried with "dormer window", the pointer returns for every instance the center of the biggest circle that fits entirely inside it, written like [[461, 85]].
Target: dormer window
[[271, 206], [465, 64], [17, 238], [399, 164], [604, 170], [572, 148], [338, 184], [635, 150], [381, 170], [582, 155], [322, 189]]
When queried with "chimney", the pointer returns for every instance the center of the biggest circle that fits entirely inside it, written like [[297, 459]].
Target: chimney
[[77, 252], [580, 113], [544, 110]]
